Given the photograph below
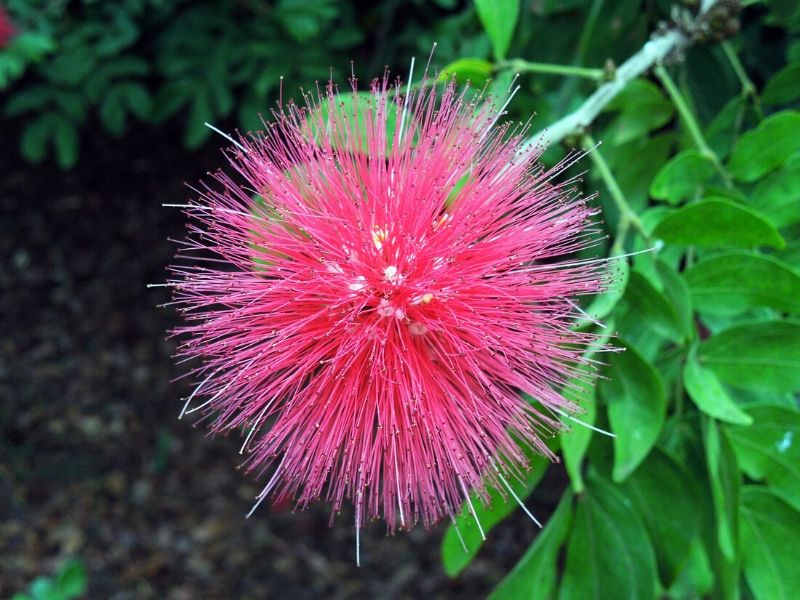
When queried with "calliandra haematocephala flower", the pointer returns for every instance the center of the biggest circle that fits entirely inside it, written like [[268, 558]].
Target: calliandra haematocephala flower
[[372, 290]]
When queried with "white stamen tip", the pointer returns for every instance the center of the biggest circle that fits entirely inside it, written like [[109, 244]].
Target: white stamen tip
[[390, 272], [227, 137]]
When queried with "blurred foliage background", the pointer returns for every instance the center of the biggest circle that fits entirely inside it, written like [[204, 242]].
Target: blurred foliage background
[[698, 495]]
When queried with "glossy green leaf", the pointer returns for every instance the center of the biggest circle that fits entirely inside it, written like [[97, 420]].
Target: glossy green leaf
[[499, 19], [769, 449], [43, 588], [724, 128], [784, 87], [645, 262], [709, 395], [765, 148], [696, 577], [777, 196], [749, 398], [634, 175], [360, 113], [575, 442], [474, 70], [71, 581], [718, 223], [636, 408], [653, 308], [677, 293], [664, 495], [729, 284], [609, 553], [602, 304], [725, 479], [534, 576], [643, 107], [769, 529], [454, 558], [682, 176], [758, 355]]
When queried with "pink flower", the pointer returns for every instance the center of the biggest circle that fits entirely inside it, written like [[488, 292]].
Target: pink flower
[[374, 316], [7, 29]]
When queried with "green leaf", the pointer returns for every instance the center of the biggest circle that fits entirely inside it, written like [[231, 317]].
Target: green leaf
[[200, 113], [765, 148], [475, 70], [171, 98], [682, 176], [636, 408], [777, 196], [723, 130], [137, 99], [454, 558], [72, 105], [710, 396], [652, 307], [112, 113], [718, 222], [759, 355], [769, 545], [359, 113], [70, 68], [784, 87], [72, 579], [769, 449], [33, 142], [534, 576], [575, 442], [43, 588], [602, 304], [643, 108], [65, 140], [665, 496], [729, 284], [33, 46], [609, 554], [696, 577], [634, 175], [499, 19], [32, 98], [725, 479], [749, 398], [645, 262], [677, 292]]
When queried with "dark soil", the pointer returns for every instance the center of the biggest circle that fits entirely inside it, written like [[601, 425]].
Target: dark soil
[[93, 460]]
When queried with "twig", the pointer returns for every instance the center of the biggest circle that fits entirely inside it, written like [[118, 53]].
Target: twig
[[653, 52], [521, 66], [690, 122], [627, 216], [748, 87]]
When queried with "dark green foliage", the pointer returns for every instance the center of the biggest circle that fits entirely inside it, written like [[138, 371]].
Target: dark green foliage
[[76, 66]]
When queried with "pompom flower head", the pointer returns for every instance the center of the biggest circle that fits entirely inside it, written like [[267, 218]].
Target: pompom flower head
[[374, 294]]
